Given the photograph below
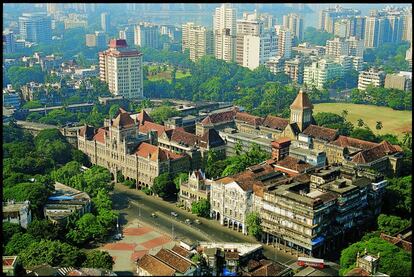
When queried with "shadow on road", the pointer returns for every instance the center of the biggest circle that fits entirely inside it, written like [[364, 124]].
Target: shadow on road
[[124, 273]]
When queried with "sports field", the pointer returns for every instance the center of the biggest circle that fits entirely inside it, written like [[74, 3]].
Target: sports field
[[394, 122]]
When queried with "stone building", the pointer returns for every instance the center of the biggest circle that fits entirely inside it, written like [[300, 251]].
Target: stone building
[[121, 146], [195, 189], [17, 213]]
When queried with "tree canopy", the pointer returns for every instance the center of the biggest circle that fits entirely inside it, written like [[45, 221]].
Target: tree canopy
[[253, 224], [201, 208], [98, 259], [164, 185]]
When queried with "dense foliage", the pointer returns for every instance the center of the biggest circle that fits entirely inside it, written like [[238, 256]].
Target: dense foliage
[[253, 224], [398, 197], [20, 75], [394, 260], [98, 259], [334, 121], [314, 36], [164, 186], [393, 98], [201, 208], [162, 113], [391, 224], [389, 56]]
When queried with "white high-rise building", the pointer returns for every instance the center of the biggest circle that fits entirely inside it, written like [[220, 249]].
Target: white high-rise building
[[121, 68], [105, 22], [372, 77], [374, 31], [294, 23], [128, 34], [200, 42], [259, 49], [35, 27], [284, 42], [147, 35], [356, 47], [337, 47], [320, 72], [185, 31], [224, 28]]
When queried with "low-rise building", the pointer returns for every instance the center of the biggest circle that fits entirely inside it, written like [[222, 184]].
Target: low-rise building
[[401, 81], [216, 120], [17, 212], [64, 202], [294, 69], [366, 265], [371, 77], [292, 166], [10, 265], [11, 98], [320, 72], [195, 189]]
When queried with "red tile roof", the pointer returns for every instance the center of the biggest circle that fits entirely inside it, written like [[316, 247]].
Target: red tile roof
[[358, 272], [344, 141], [180, 250], [301, 101], [100, 135], [87, 132], [123, 120], [220, 117], [383, 149], [275, 122], [173, 260], [183, 137], [154, 266], [143, 117], [249, 119], [293, 164], [155, 153], [319, 132], [150, 126]]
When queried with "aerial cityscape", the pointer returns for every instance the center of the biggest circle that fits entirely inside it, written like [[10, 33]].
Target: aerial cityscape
[[178, 139]]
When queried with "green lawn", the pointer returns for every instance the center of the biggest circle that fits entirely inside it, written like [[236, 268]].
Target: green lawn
[[166, 75], [394, 122]]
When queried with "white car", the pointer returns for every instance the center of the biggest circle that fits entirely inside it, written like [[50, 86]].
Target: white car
[[174, 214], [118, 236]]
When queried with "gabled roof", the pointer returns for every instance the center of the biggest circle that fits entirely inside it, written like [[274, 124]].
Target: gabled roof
[[319, 132], [183, 137], [155, 153], [248, 118], [220, 117], [180, 250], [293, 164], [143, 117], [212, 138], [383, 149], [173, 260], [100, 135], [151, 126], [344, 141], [154, 266], [123, 120], [87, 132], [275, 122], [301, 101]]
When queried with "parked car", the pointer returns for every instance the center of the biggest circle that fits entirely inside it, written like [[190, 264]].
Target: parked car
[[188, 221], [197, 221], [174, 214], [153, 215], [118, 236]]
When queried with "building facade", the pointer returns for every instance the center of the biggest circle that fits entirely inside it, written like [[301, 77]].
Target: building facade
[[294, 23], [35, 27], [224, 29], [371, 77], [121, 68], [320, 72], [147, 35]]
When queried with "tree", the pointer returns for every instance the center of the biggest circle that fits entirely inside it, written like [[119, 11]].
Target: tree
[[391, 224], [54, 253], [344, 113], [19, 242], [162, 113], [36, 193], [113, 110], [66, 172], [43, 229], [87, 229], [253, 222], [312, 35], [9, 229], [394, 260], [19, 75], [398, 200], [180, 178], [102, 201], [378, 125], [98, 259], [32, 105], [364, 134], [360, 122], [408, 139], [164, 186], [201, 208]]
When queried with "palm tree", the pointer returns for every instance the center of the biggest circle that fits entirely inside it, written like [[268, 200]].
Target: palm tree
[[344, 113], [378, 126], [360, 122], [407, 139]]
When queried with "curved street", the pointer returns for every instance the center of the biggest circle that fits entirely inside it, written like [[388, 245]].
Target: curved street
[[133, 204]]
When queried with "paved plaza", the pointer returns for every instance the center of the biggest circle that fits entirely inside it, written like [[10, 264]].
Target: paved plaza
[[137, 241]]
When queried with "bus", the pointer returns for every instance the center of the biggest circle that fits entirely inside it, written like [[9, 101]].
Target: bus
[[313, 262]]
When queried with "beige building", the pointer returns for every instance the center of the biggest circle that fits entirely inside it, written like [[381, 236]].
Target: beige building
[[320, 72], [294, 23], [121, 68], [195, 189], [372, 77], [224, 28], [90, 40], [399, 81], [294, 69], [337, 47], [284, 43], [119, 147], [147, 35], [200, 42]]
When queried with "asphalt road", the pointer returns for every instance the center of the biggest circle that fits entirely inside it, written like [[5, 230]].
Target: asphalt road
[[134, 204]]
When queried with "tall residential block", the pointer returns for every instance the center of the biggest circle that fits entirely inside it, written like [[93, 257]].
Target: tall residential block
[[337, 47], [320, 72], [294, 23], [328, 17], [407, 34], [371, 77], [105, 22], [35, 27], [342, 27], [147, 35], [356, 47], [250, 25], [128, 34], [374, 31], [121, 68], [100, 39], [200, 42], [184, 38], [284, 43], [9, 42], [224, 28], [90, 40]]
